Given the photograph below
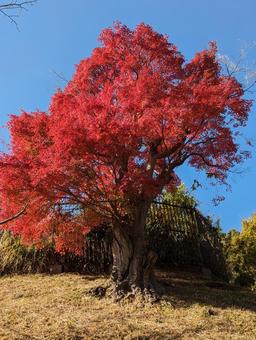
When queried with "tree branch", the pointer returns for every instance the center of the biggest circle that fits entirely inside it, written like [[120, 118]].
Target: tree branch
[[15, 7], [206, 162], [9, 219]]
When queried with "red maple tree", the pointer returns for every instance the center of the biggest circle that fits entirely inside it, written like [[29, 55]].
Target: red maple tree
[[133, 112]]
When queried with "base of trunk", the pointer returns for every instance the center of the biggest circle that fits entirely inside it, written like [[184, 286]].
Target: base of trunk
[[137, 279], [124, 291], [133, 263], [137, 282]]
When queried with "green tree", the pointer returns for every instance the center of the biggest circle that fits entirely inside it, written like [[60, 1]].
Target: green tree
[[180, 196], [240, 251]]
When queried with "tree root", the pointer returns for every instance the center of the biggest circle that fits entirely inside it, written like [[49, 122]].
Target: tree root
[[124, 292]]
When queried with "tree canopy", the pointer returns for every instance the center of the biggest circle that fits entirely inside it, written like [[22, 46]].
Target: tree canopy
[[133, 112]]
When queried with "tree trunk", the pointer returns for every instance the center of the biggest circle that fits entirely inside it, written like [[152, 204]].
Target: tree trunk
[[133, 263]]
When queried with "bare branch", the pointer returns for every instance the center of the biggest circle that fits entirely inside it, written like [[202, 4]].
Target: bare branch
[[250, 86], [60, 76], [243, 69], [12, 9]]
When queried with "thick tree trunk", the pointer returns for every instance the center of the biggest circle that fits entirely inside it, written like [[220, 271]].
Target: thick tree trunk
[[133, 263]]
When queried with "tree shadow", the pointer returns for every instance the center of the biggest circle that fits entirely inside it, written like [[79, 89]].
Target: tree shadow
[[188, 291], [185, 289]]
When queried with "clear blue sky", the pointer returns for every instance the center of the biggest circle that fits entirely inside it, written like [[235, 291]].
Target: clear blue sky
[[55, 35]]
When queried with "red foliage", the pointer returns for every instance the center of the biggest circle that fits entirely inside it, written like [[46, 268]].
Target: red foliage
[[133, 112]]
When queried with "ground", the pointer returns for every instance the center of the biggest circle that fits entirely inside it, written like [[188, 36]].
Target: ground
[[59, 307]]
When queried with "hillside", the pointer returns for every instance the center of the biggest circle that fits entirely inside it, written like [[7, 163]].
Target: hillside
[[59, 307]]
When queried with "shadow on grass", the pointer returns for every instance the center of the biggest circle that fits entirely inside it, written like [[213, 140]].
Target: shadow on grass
[[186, 292]]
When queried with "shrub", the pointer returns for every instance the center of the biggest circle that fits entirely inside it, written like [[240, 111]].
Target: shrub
[[18, 258]]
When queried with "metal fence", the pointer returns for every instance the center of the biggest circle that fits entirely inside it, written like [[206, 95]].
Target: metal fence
[[180, 236], [173, 233]]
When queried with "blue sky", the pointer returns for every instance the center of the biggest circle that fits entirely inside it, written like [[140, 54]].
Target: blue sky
[[55, 35]]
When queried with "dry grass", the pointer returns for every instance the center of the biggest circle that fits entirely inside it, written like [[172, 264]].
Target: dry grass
[[58, 307]]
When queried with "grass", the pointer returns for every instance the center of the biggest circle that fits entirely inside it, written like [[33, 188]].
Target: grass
[[58, 307]]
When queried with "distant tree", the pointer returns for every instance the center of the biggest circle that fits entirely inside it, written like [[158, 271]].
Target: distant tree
[[180, 196], [111, 143], [240, 251]]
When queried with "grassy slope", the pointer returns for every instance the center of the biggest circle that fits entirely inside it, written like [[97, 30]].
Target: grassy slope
[[57, 307]]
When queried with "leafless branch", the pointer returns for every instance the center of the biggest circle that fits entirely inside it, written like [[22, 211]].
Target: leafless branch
[[60, 76], [244, 69], [12, 9]]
